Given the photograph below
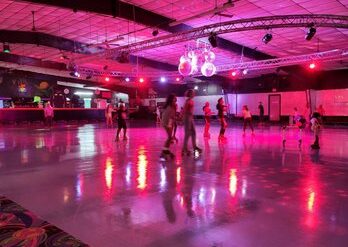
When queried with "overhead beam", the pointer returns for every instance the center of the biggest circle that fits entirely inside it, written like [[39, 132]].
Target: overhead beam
[[60, 43], [142, 16]]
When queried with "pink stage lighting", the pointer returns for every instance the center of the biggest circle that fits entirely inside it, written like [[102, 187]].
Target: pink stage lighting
[[107, 79], [177, 79], [312, 66], [234, 73], [141, 80]]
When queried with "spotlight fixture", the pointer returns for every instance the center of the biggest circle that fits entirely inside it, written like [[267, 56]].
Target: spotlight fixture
[[310, 33], [163, 79], [127, 79], [177, 79], [107, 78], [234, 73], [196, 88], [141, 80], [212, 39], [245, 71], [6, 48], [312, 65], [155, 32], [267, 38]]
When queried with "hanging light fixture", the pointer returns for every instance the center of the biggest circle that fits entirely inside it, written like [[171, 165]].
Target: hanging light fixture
[[6, 48]]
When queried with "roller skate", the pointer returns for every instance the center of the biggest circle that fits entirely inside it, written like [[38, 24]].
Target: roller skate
[[166, 155], [315, 146]]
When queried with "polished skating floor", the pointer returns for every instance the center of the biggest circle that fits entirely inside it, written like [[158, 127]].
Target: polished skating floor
[[247, 192]]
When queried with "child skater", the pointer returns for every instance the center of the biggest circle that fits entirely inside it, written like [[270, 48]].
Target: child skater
[[221, 107], [189, 124], [315, 121], [121, 120], [207, 113], [247, 119], [108, 115], [168, 119]]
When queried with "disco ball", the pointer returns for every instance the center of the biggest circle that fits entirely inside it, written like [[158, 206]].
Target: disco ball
[[209, 56], [208, 69], [185, 68], [194, 60], [190, 54], [194, 69], [183, 58]]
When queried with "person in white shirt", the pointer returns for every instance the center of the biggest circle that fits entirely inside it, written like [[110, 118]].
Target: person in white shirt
[[315, 122], [168, 119], [247, 119]]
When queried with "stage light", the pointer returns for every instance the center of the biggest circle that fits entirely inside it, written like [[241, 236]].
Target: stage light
[[127, 79], [107, 79], [84, 93], [196, 88], [267, 38], [310, 33], [245, 71], [212, 39], [77, 74], [312, 65], [177, 79], [155, 32], [234, 73], [141, 80], [163, 79], [6, 48]]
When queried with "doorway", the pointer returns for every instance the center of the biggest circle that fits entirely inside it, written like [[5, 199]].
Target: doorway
[[274, 107]]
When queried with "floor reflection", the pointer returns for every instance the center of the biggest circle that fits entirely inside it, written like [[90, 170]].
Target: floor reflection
[[242, 192]]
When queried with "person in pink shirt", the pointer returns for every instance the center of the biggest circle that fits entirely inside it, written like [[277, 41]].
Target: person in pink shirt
[[49, 114]]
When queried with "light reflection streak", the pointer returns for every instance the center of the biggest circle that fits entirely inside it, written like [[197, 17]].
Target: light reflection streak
[[311, 201], [233, 182], [178, 175], [163, 179], [142, 170], [79, 187], [108, 173]]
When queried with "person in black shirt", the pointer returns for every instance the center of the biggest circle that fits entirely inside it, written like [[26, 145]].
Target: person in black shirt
[[262, 112], [221, 115], [121, 120]]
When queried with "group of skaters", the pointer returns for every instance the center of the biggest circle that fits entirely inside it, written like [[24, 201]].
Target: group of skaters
[[169, 121], [169, 118]]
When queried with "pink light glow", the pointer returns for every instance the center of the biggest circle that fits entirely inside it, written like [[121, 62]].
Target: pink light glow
[[312, 66], [234, 73], [177, 79], [107, 79], [141, 80]]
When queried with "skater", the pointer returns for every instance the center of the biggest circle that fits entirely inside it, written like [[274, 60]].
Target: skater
[[121, 122], [108, 115], [262, 111], [207, 113], [175, 124], [315, 128], [168, 119], [247, 119], [49, 113], [158, 115], [221, 107], [321, 112], [296, 116], [190, 130]]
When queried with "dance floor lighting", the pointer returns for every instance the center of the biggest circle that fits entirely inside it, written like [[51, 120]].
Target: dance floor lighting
[[234, 73], [163, 79], [127, 79], [107, 79], [141, 80], [312, 66]]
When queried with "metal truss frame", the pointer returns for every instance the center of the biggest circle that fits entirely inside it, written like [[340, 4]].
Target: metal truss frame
[[330, 55], [269, 22]]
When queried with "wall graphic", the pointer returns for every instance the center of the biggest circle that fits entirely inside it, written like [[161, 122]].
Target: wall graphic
[[18, 87]]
